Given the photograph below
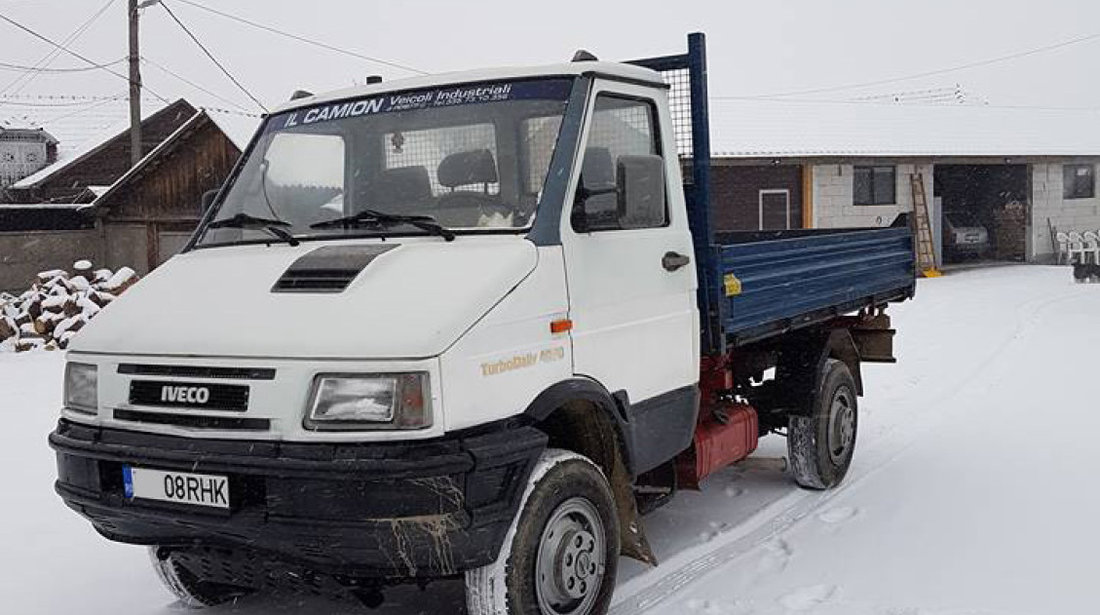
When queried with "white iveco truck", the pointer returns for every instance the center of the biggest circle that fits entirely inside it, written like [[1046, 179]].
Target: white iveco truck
[[465, 326]]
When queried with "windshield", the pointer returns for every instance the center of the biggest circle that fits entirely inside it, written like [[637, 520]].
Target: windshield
[[472, 157], [961, 219]]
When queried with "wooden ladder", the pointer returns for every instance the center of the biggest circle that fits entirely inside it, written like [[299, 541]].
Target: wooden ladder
[[922, 227]]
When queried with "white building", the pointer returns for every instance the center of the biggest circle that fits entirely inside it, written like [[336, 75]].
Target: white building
[[24, 151], [819, 165]]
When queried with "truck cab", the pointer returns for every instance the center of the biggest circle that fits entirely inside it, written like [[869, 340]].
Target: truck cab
[[438, 327]]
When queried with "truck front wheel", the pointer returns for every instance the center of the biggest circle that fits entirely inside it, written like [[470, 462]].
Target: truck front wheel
[[820, 446], [562, 551]]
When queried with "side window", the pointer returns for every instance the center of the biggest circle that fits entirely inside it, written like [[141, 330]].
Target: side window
[[622, 182]]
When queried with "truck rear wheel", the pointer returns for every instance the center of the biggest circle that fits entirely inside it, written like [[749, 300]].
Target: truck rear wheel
[[820, 446], [191, 590], [561, 554]]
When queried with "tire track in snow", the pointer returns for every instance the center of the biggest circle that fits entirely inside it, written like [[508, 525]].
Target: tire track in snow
[[779, 517]]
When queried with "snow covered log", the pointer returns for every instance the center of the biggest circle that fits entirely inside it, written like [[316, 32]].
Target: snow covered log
[[7, 328], [58, 304], [122, 279]]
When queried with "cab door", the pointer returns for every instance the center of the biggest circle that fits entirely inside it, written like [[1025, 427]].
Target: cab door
[[629, 265]]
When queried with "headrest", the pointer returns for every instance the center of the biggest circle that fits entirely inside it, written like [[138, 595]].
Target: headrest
[[598, 170], [471, 167], [400, 186]]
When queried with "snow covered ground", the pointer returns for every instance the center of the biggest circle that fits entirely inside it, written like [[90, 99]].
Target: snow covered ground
[[973, 490]]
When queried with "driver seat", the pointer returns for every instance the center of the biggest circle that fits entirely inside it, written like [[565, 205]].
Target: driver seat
[[401, 190]]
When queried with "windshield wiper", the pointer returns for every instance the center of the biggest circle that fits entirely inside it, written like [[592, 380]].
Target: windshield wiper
[[371, 216], [275, 228]]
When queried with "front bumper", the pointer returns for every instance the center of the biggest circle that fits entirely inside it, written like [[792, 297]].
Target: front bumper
[[415, 509]]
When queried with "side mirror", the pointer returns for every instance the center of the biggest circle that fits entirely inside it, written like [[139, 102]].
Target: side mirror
[[208, 199], [641, 191]]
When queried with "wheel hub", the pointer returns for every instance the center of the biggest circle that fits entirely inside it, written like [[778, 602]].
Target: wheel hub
[[570, 561], [842, 424]]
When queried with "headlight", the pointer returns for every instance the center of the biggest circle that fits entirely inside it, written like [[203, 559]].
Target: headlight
[[80, 387], [370, 401]]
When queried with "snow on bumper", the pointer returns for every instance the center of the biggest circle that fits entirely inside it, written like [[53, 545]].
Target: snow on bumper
[[423, 509]]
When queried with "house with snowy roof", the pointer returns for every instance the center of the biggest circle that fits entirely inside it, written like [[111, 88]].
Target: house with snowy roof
[[94, 203]]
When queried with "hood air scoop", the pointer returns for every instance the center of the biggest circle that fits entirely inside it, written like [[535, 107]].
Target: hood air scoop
[[329, 269]]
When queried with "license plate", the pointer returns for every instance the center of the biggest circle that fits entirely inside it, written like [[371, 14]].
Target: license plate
[[179, 487]]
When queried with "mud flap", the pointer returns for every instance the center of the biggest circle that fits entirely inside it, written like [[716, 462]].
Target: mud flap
[[632, 539]]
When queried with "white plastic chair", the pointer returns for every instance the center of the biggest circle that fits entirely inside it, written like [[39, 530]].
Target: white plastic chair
[[1076, 247], [1062, 247], [1092, 245]]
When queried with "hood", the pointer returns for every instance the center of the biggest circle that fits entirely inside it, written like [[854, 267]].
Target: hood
[[977, 232], [411, 301]]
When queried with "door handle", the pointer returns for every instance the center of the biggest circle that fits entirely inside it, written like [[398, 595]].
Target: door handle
[[672, 261]]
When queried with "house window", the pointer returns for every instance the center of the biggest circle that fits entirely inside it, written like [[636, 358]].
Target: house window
[[1079, 181], [875, 185]]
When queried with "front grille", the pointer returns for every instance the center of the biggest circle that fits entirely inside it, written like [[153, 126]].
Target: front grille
[[190, 395], [197, 371], [193, 421]]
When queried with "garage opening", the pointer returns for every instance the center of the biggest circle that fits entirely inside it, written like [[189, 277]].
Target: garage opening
[[983, 211]]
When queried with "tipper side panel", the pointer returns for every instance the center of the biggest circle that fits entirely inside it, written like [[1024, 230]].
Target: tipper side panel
[[781, 284]]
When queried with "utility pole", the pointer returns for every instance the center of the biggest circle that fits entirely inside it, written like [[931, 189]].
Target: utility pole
[[135, 87]]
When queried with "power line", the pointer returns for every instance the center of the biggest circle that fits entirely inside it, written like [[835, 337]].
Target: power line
[[35, 71], [95, 105], [76, 69], [56, 100], [305, 40], [940, 71], [75, 54], [230, 111], [75, 103], [879, 103], [179, 77], [57, 96], [212, 58]]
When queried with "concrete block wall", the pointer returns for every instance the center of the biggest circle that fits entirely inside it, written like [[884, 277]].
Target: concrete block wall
[[834, 190], [1066, 215], [126, 245], [24, 254]]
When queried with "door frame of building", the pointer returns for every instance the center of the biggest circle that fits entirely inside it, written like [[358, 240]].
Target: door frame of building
[[760, 197]]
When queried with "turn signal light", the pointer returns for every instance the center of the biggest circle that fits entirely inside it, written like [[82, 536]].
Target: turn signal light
[[561, 326]]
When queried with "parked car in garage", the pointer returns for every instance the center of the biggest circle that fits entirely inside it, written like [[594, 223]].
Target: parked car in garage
[[964, 235]]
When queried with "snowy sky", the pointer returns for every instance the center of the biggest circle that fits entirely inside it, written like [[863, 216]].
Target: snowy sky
[[756, 48]]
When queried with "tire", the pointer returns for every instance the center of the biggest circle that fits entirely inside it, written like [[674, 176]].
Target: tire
[[820, 446], [566, 529], [192, 591]]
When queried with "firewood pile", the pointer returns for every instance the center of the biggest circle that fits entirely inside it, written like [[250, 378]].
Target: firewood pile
[[58, 305]]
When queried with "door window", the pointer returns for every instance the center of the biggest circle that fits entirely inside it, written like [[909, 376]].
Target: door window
[[621, 129]]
